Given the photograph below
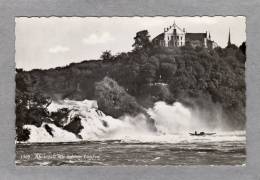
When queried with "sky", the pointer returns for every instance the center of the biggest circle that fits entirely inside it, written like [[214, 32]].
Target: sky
[[43, 43]]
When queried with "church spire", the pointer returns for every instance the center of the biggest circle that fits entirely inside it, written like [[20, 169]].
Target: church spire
[[229, 38]]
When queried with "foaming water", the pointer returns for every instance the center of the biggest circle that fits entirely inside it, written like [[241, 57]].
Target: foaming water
[[173, 124], [175, 119]]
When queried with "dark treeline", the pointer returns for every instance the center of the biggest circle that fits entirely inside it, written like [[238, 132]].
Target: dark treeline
[[137, 79]]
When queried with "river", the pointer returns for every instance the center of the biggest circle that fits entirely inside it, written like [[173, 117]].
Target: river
[[220, 149]]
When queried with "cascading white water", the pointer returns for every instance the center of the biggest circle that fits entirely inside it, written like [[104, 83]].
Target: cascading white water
[[173, 123], [174, 119], [179, 119]]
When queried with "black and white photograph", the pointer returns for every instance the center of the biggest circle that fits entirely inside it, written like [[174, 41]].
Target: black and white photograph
[[130, 91]]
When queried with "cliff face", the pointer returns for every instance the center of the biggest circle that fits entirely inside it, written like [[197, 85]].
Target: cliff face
[[193, 76]]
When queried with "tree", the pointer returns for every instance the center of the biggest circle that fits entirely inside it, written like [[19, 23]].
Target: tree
[[242, 47], [31, 108], [141, 40], [147, 73], [112, 99], [106, 55], [167, 71]]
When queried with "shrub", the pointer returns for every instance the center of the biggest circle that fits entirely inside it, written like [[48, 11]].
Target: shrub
[[22, 134]]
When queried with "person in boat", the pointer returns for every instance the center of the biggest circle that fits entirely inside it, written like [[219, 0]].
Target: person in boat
[[195, 133], [202, 133]]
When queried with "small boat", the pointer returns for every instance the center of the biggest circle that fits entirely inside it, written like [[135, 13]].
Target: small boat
[[201, 134]]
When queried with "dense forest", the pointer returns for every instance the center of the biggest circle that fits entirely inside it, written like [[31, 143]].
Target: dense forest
[[128, 83]]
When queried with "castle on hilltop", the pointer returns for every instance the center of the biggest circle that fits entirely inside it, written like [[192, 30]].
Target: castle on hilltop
[[174, 36]]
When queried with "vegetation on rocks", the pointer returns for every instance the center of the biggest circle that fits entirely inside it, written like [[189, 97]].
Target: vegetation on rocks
[[112, 99]]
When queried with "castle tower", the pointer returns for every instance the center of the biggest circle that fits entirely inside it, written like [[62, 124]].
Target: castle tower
[[229, 38]]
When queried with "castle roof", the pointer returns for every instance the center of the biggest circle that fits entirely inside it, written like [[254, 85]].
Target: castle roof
[[159, 37], [196, 36], [174, 26]]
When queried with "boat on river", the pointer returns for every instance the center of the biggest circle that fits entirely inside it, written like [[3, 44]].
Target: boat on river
[[201, 134]]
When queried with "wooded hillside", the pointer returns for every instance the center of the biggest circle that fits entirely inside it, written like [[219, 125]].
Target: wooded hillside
[[196, 77]]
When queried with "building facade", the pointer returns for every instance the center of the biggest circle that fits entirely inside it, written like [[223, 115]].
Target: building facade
[[174, 36]]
